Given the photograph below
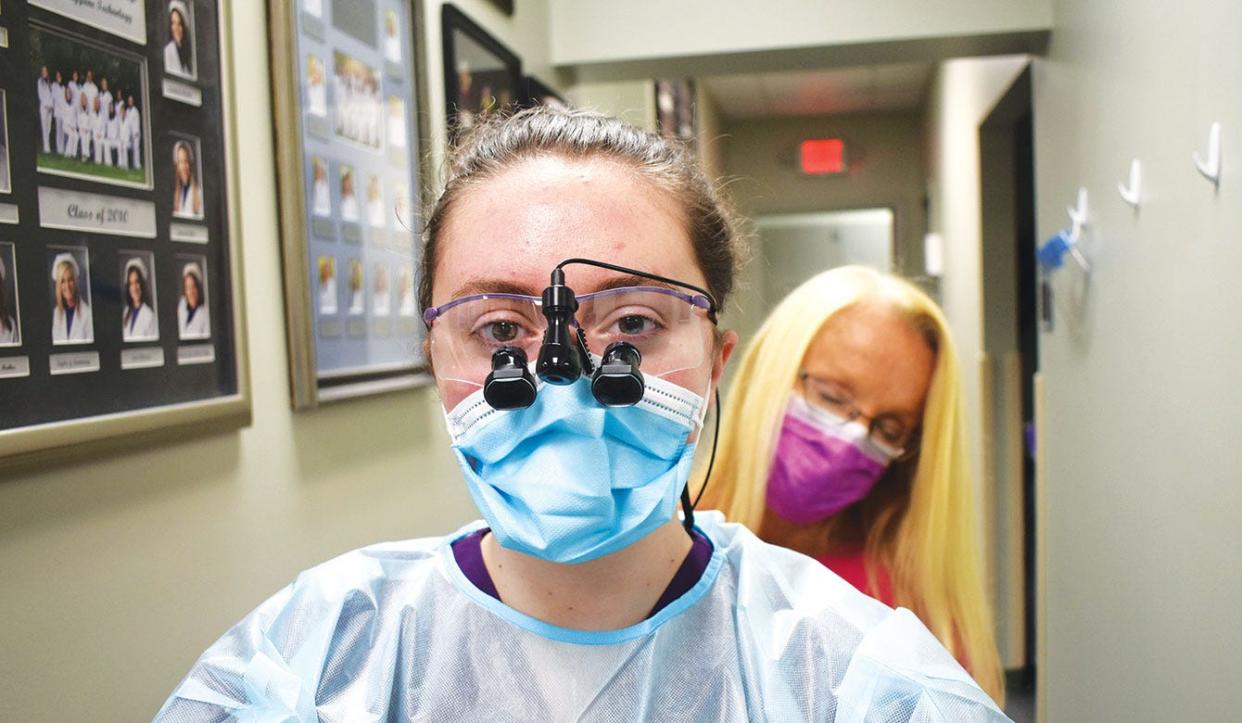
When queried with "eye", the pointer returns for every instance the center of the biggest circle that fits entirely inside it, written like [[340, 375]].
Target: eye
[[635, 325], [891, 432], [500, 331]]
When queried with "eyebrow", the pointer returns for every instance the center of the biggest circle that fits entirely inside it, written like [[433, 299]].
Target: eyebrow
[[492, 286], [500, 286]]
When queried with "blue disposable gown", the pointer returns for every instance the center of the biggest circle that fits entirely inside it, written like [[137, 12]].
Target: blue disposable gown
[[395, 632]]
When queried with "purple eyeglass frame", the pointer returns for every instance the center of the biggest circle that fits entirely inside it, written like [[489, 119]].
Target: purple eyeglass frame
[[696, 300]]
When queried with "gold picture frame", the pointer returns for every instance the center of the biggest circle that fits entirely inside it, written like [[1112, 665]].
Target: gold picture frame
[[342, 258]]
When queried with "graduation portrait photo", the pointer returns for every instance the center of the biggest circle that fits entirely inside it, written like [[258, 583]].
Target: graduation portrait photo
[[90, 105], [193, 319], [179, 57], [187, 169], [10, 315], [69, 289], [139, 320], [327, 285]]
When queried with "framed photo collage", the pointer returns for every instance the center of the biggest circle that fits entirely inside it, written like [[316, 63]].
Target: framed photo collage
[[118, 299], [347, 78]]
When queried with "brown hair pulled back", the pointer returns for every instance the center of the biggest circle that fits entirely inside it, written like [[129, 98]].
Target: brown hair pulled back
[[500, 144]]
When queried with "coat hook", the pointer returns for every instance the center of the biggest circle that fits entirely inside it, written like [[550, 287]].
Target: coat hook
[[1078, 215], [1132, 194], [1210, 168]]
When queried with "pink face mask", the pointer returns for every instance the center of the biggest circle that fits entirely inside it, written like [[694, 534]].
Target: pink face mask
[[822, 465]]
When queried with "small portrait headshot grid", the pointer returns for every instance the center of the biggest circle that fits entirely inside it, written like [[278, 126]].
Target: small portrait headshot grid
[[381, 302], [179, 59], [327, 284], [316, 86], [396, 122], [357, 288], [408, 305], [193, 318], [401, 218], [392, 37], [69, 290], [6, 176], [89, 103], [377, 207], [139, 319], [349, 197], [321, 192], [10, 314], [187, 166]]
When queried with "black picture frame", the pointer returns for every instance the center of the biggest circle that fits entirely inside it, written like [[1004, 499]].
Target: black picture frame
[[536, 93], [116, 373], [481, 75]]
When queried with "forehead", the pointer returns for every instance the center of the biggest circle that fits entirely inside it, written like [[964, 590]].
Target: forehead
[[877, 353], [513, 228]]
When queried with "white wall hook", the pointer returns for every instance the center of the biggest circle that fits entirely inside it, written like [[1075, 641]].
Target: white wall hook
[[1133, 193], [1210, 168], [1078, 215]]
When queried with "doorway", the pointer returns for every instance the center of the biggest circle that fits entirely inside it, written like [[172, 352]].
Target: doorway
[[1011, 361]]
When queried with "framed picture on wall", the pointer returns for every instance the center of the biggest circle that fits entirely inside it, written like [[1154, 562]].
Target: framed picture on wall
[[675, 108], [119, 173], [348, 95], [536, 93], [481, 76]]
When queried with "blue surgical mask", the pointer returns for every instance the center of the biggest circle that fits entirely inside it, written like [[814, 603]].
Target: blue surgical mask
[[569, 480]]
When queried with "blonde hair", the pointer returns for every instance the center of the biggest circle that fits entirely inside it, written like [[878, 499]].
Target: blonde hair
[[60, 279], [926, 535]]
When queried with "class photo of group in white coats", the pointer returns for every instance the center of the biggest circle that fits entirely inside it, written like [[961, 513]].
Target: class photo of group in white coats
[[90, 111]]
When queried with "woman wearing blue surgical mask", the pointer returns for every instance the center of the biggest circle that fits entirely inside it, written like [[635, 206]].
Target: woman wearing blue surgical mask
[[845, 441], [574, 392]]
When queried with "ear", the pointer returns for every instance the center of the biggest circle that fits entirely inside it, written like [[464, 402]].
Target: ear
[[728, 342]]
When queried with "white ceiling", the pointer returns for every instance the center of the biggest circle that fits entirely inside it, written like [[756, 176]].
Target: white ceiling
[[820, 92]]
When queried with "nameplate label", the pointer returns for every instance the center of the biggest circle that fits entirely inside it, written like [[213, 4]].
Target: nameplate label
[[329, 328], [188, 234], [95, 213], [324, 229], [9, 213], [182, 92], [126, 18], [12, 367], [383, 327], [351, 232], [357, 327], [4, 37], [318, 127], [78, 362], [143, 358], [196, 354]]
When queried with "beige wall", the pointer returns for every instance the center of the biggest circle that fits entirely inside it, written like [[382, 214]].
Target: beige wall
[[595, 31], [1142, 504], [885, 152], [116, 573]]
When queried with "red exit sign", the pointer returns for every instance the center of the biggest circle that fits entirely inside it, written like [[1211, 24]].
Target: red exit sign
[[822, 157]]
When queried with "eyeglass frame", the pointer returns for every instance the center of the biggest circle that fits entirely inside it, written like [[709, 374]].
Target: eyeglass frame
[[696, 300], [903, 453]]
